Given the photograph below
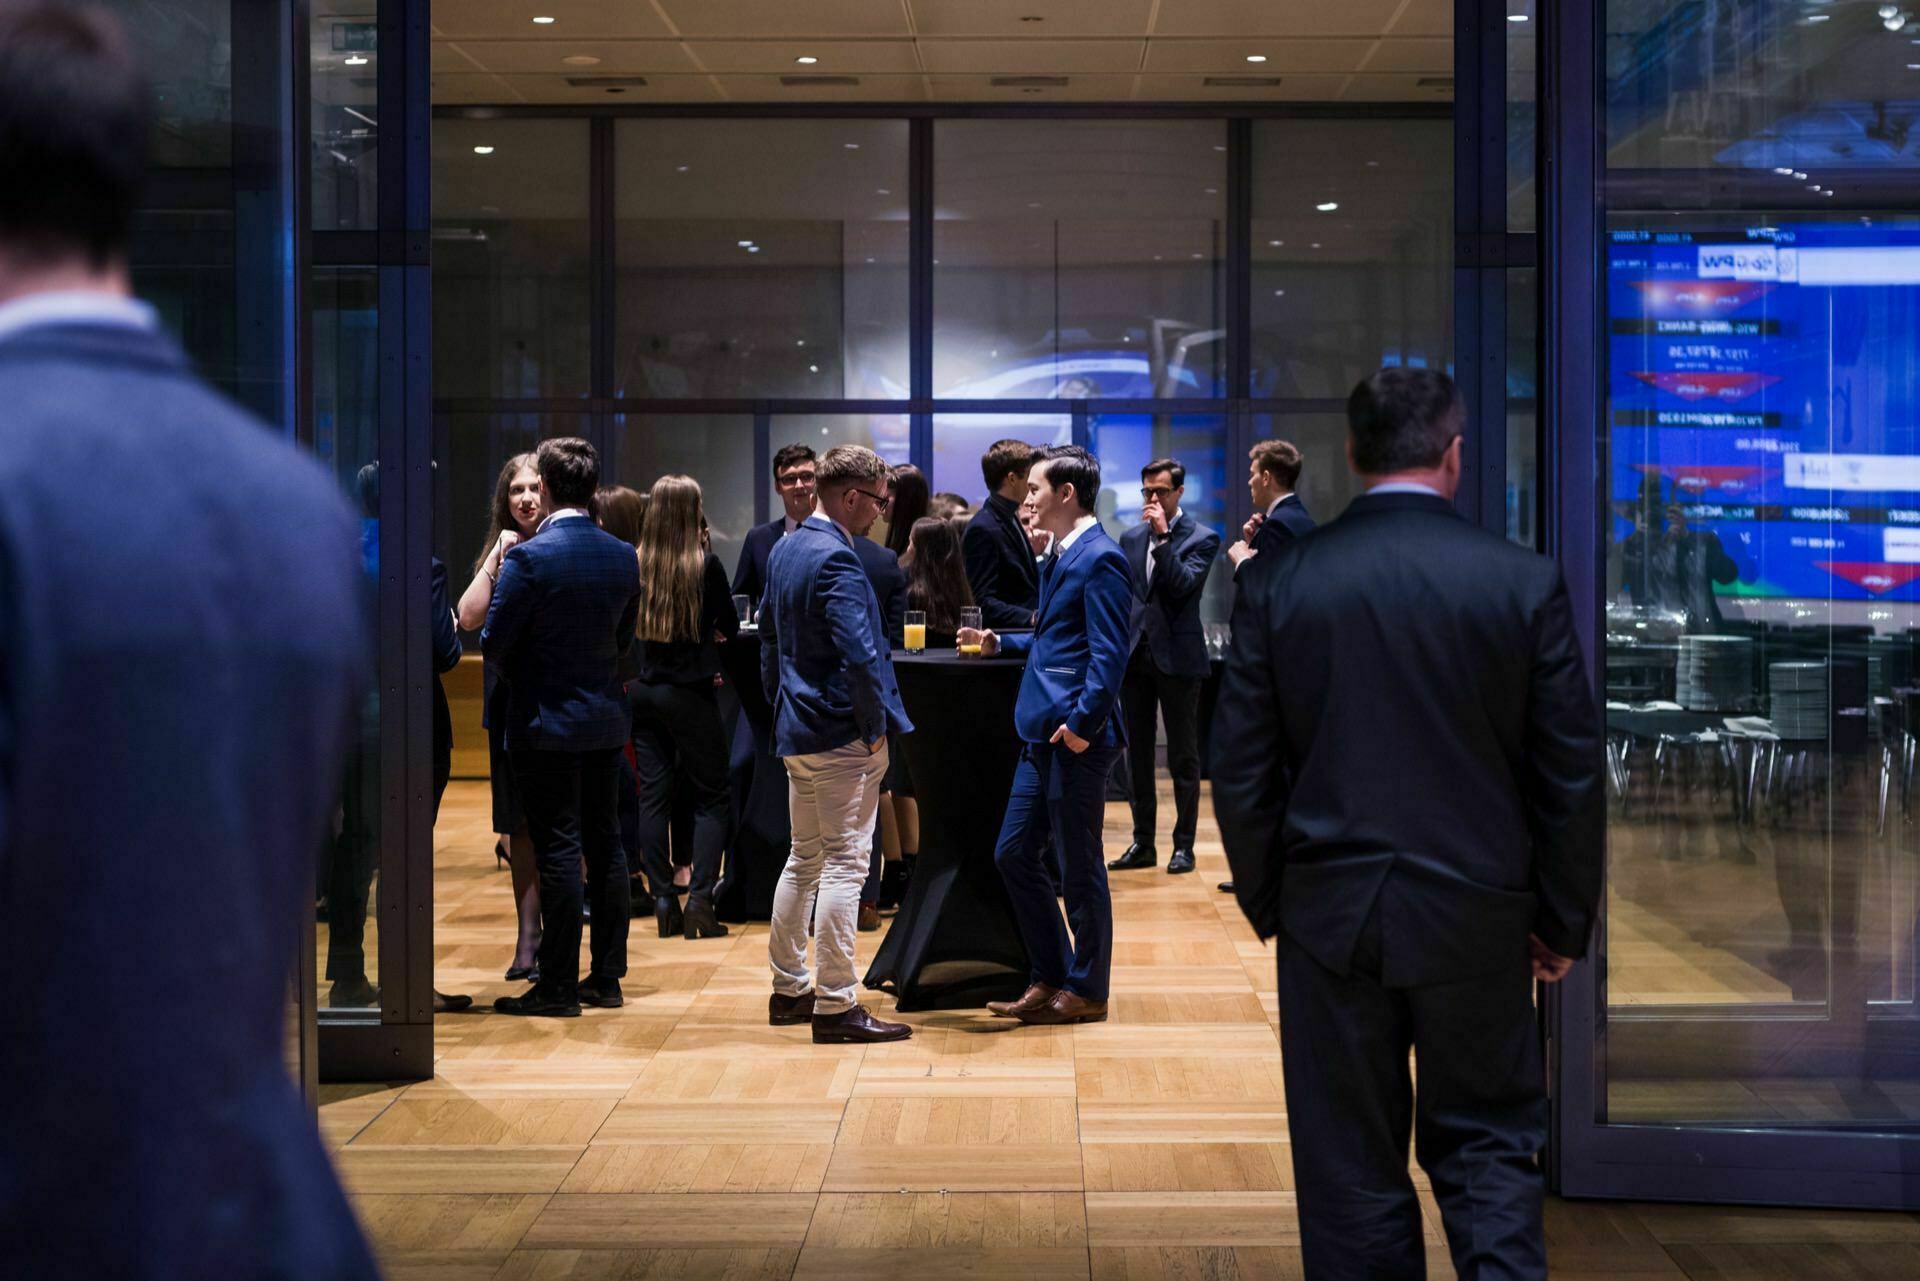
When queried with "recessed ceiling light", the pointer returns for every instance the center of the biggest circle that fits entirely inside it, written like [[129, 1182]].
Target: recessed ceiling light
[[1817, 17], [1218, 147], [355, 60], [679, 168], [743, 243], [753, 249], [1314, 245], [543, 22], [851, 146], [1516, 17], [1213, 191], [1199, 255], [581, 60], [1279, 293], [1276, 243], [813, 369], [1033, 204], [882, 191], [799, 342], [806, 60], [1327, 206], [1256, 57], [483, 151]]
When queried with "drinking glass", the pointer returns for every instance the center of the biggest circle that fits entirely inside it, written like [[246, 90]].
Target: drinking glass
[[743, 609], [916, 631], [970, 618]]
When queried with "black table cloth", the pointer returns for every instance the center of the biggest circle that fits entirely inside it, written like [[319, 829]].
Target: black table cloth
[[955, 944], [762, 833]]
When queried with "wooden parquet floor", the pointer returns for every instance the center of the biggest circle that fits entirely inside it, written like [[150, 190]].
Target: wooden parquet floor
[[680, 1137]]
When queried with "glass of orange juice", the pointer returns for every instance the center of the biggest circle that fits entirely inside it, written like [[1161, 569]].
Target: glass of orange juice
[[970, 619], [916, 631]]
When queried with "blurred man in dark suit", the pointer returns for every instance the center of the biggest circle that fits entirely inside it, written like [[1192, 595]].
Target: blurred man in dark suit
[[1001, 568], [793, 473], [1406, 774], [563, 613], [183, 616], [1170, 553]]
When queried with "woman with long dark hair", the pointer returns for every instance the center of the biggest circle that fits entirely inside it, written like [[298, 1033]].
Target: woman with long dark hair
[[518, 508], [937, 577], [911, 496], [685, 605]]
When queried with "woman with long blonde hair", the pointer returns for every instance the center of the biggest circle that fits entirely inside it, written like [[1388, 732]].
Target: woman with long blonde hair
[[685, 608]]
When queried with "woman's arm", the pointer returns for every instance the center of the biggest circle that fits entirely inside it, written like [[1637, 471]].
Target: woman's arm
[[479, 594]]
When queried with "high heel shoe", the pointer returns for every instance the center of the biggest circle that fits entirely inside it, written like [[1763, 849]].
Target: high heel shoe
[[500, 857], [699, 922], [531, 973], [667, 915]]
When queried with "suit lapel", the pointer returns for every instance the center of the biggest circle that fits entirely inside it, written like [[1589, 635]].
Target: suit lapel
[[1051, 580], [1137, 557]]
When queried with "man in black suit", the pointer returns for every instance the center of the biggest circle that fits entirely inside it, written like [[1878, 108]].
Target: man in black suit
[[1169, 553], [562, 615], [1001, 568], [1279, 516], [1412, 806], [793, 473]]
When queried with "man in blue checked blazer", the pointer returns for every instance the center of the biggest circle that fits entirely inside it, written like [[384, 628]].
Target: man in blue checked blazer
[[562, 614], [1069, 716]]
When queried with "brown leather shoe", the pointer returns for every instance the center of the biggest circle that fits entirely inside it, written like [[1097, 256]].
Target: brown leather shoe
[[787, 1011], [869, 918], [1031, 999], [856, 1027], [1066, 1007]]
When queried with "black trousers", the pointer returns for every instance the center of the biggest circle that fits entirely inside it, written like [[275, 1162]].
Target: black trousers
[[1178, 700], [349, 867], [1478, 1122], [679, 725], [572, 813]]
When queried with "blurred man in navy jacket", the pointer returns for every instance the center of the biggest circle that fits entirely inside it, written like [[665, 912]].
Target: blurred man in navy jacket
[[828, 671], [1279, 516], [1068, 715], [1169, 553], [794, 468], [562, 615], [183, 617]]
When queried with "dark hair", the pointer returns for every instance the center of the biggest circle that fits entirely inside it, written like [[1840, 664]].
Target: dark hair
[[911, 501], [621, 512], [936, 574], [1166, 464], [569, 472], [948, 505], [73, 131], [1072, 465], [1280, 459], [789, 455], [1400, 420], [1002, 459]]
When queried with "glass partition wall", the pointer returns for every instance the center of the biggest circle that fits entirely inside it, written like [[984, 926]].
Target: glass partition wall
[[1734, 341]]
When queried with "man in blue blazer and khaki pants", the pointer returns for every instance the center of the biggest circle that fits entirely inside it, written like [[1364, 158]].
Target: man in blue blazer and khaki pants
[[828, 670], [1069, 716]]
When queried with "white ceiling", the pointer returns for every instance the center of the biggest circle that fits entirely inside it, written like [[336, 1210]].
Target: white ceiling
[[491, 51]]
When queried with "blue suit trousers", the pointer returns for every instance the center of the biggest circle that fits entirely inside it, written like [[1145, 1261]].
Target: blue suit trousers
[[1058, 793]]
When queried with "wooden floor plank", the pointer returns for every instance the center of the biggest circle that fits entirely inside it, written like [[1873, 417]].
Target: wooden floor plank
[[688, 1221]]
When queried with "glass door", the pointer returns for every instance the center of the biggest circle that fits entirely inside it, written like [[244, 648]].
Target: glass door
[[1734, 389]]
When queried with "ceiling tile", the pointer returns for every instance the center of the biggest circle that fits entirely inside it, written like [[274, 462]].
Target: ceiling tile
[[1111, 88], [1192, 88], [513, 19], [870, 89], [1032, 57], [1059, 17], [815, 18], [555, 89], [1428, 57], [523, 57], [1229, 57], [467, 87], [1274, 17], [1394, 88], [778, 57], [1426, 18], [446, 56]]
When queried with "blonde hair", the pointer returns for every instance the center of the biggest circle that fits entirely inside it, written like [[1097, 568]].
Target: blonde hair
[[673, 564]]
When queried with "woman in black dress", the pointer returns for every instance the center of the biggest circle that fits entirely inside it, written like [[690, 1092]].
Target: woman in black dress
[[518, 508], [685, 608]]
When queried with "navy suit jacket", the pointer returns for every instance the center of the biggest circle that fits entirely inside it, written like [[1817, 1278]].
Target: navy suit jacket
[[1166, 607], [750, 575], [1290, 520], [825, 660], [1000, 566], [562, 615], [889, 581], [186, 646], [1077, 652]]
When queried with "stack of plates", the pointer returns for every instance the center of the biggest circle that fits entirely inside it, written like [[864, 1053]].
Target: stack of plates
[[1799, 699], [1715, 673]]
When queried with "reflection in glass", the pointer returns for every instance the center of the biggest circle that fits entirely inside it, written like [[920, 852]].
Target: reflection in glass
[[1523, 406], [762, 258], [1125, 443], [1523, 114], [1352, 244], [186, 51], [346, 353], [511, 292], [471, 449], [345, 123], [1077, 259], [714, 449], [960, 439]]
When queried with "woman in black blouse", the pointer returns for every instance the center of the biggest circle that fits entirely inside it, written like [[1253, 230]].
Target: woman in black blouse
[[685, 607]]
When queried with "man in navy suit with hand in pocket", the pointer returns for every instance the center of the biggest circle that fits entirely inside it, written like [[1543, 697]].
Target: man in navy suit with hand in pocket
[[1069, 716]]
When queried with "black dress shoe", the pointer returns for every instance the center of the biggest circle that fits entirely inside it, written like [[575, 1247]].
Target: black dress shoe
[[1226, 887], [538, 1003], [787, 1011], [602, 994], [666, 915], [1137, 856], [1182, 861], [352, 994], [856, 1027], [531, 973], [699, 922], [444, 1004]]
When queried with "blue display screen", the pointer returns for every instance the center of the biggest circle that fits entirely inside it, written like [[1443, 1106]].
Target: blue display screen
[[1762, 388]]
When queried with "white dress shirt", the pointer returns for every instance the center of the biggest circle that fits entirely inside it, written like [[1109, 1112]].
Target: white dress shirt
[[77, 306]]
